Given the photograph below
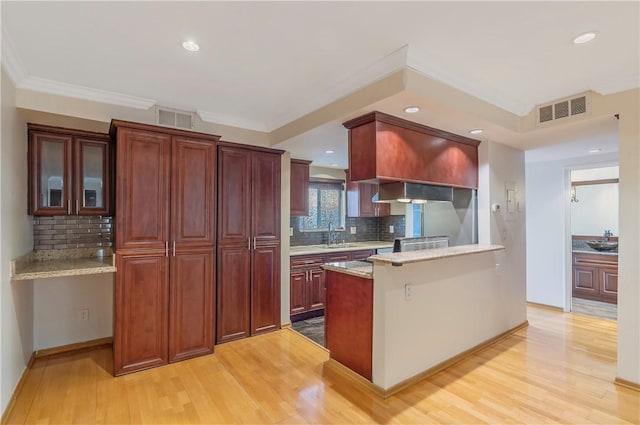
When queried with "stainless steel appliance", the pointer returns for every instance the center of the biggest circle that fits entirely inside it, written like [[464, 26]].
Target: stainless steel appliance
[[421, 242]]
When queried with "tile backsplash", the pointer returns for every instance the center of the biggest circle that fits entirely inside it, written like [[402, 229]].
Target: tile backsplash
[[62, 232], [367, 229]]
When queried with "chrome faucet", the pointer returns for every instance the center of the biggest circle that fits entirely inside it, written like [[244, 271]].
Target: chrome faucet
[[607, 234], [330, 236]]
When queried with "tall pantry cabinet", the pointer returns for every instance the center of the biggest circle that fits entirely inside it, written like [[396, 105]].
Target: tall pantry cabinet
[[165, 245], [248, 287]]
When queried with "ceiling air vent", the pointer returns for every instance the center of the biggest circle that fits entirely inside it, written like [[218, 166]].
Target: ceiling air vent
[[565, 108], [174, 118], [561, 110]]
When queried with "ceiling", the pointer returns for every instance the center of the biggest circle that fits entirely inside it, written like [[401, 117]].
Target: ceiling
[[262, 65]]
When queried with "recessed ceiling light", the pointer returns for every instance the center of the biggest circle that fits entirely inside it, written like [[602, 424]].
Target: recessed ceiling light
[[411, 109], [191, 46], [595, 150], [585, 38], [476, 131], [329, 151]]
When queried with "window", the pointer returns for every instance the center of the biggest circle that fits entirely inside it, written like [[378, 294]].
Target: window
[[326, 205]]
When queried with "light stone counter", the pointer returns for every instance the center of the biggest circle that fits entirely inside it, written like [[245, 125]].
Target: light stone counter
[[355, 268], [350, 246], [594, 251], [62, 262], [400, 258]]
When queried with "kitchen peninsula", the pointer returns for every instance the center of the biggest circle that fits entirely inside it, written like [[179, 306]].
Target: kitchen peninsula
[[406, 315]]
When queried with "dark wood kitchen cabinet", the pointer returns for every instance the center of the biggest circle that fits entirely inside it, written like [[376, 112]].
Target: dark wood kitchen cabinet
[[595, 277], [307, 286], [248, 276], [165, 245], [359, 203], [384, 148], [299, 187], [69, 172]]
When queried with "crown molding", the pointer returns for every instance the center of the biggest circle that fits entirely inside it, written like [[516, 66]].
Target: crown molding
[[378, 70], [427, 69], [231, 121], [10, 60], [80, 92]]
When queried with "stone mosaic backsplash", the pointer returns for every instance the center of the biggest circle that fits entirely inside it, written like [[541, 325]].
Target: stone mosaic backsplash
[[63, 232], [367, 229]]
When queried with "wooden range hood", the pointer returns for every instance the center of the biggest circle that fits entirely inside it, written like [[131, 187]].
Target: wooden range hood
[[384, 148]]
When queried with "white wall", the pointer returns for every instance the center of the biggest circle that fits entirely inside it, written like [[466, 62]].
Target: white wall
[[456, 303], [16, 297], [629, 256], [502, 168], [57, 303], [547, 202]]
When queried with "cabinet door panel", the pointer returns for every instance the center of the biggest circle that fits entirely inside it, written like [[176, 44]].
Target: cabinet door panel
[[142, 189], [299, 205], [266, 197], [234, 275], [234, 186], [141, 306], [609, 284], [585, 279], [265, 289], [50, 173], [297, 294], [92, 177], [191, 296], [193, 192], [316, 289]]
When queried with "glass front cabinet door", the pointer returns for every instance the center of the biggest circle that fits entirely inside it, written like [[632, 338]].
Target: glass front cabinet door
[[69, 172]]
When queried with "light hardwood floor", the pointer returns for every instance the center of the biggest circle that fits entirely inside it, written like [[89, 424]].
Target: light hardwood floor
[[558, 370]]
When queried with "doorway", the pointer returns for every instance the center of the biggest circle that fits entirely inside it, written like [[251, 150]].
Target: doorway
[[593, 241]]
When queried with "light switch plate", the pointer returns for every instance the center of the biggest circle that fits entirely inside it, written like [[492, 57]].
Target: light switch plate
[[353, 230], [290, 231], [390, 229]]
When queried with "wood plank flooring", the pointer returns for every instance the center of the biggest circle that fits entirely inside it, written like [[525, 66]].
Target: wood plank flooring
[[558, 370]]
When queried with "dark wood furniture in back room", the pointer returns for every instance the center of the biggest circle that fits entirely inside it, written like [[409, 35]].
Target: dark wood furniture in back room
[[248, 284], [69, 172], [165, 245]]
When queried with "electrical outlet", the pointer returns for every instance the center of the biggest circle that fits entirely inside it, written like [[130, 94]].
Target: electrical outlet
[[290, 231], [83, 314], [408, 292], [353, 230], [390, 229]]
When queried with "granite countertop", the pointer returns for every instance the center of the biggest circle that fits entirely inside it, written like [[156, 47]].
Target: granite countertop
[[355, 268], [588, 250], [351, 246], [400, 258], [62, 262]]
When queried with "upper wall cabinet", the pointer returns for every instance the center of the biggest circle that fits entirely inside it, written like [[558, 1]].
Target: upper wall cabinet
[[383, 148], [299, 187], [70, 172]]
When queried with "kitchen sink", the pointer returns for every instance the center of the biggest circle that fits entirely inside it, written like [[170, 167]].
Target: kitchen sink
[[341, 245], [603, 245]]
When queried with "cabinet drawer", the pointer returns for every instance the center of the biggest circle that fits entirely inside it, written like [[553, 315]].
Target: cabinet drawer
[[339, 256], [595, 260], [361, 255], [307, 261]]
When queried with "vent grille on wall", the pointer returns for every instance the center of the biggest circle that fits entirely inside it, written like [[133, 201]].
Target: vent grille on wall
[[174, 118], [565, 108]]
